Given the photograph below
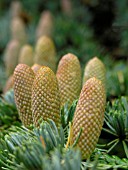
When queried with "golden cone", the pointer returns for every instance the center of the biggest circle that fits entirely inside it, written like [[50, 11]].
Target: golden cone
[[26, 55], [45, 96], [89, 116], [11, 56], [69, 78], [45, 53], [95, 68], [23, 80], [45, 26], [18, 31], [16, 9]]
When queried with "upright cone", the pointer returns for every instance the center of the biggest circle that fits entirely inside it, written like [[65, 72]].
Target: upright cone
[[45, 53], [69, 78], [45, 96], [18, 31], [89, 116], [11, 56], [16, 9], [26, 55], [95, 68], [23, 80], [45, 26]]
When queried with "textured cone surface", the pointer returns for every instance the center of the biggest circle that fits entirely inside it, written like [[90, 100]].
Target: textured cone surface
[[9, 84], [36, 67], [45, 53], [45, 26], [89, 116], [23, 80], [26, 55], [95, 68], [45, 96], [69, 78], [11, 56], [18, 30]]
